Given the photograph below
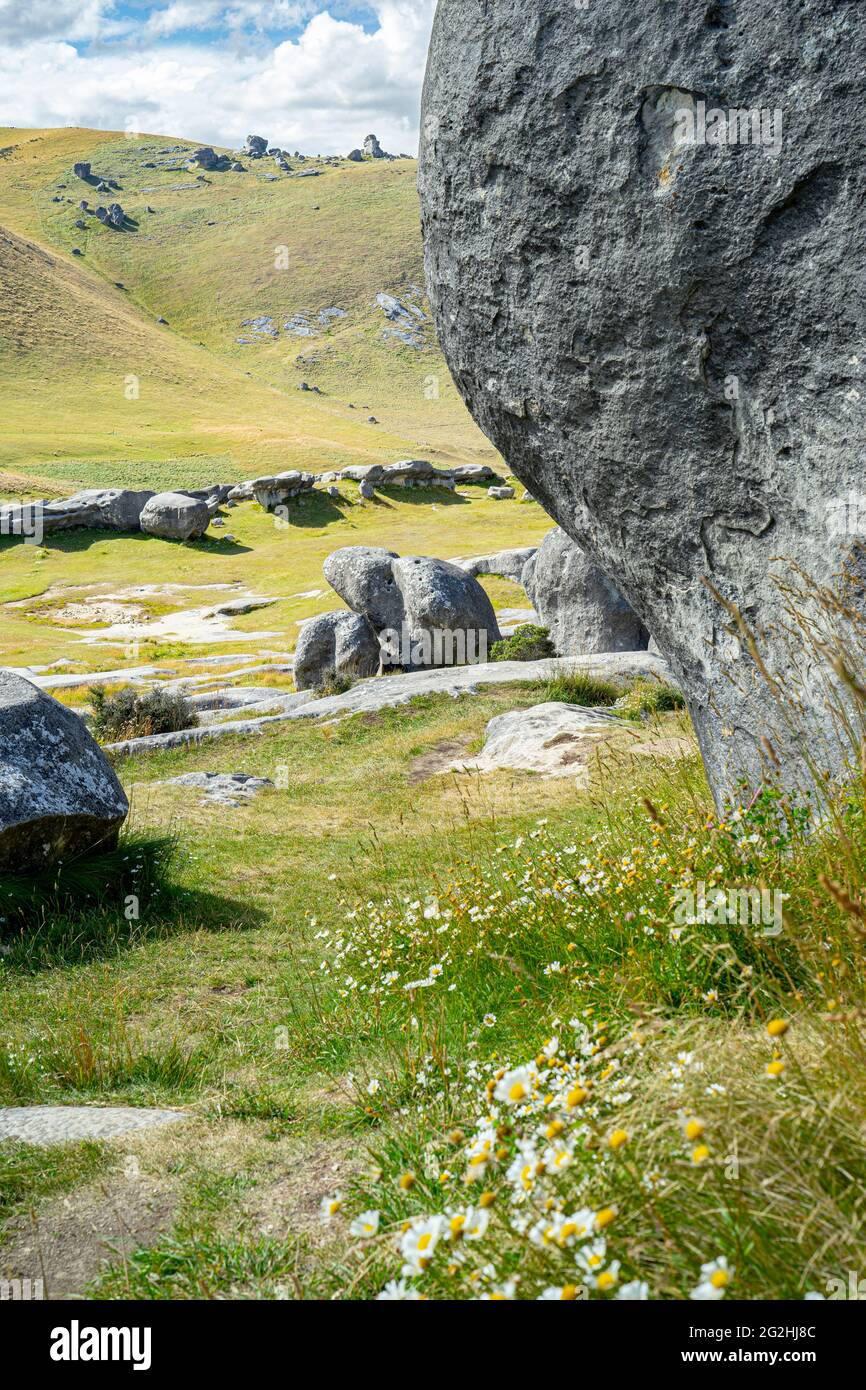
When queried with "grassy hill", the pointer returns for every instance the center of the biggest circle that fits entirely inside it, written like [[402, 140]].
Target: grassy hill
[[90, 378]]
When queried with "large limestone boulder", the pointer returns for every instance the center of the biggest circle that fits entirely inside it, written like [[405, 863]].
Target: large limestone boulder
[[111, 509], [363, 576], [583, 610], [335, 645], [175, 517], [281, 488], [433, 612], [92, 509], [652, 303], [58, 793], [440, 598]]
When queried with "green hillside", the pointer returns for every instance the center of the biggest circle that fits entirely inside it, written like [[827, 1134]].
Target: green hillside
[[90, 378]]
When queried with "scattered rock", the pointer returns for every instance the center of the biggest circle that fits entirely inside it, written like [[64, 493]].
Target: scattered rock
[[207, 158], [223, 788], [255, 146], [356, 156], [82, 170], [59, 796], [175, 516], [501, 494], [583, 610], [333, 646]]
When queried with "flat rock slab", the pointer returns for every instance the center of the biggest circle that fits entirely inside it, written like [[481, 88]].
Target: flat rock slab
[[66, 1124], [384, 692], [221, 788], [552, 740]]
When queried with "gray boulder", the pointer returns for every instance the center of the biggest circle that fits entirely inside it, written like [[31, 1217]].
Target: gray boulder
[[507, 564], [81, 170], [255, 147], [356, 156], [59, 796], [207, 158], [429, 608], [364, 578], [652, 303], [440, 598], [175, 517], [92, 509], [583, 610], [373, 148], [277, 490], [335, 645], [109, 509], [501, 494]]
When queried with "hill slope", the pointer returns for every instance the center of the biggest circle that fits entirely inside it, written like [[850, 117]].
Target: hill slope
[[242, 266]]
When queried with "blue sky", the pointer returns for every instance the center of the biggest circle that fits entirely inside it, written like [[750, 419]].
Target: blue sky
[[317, 75]]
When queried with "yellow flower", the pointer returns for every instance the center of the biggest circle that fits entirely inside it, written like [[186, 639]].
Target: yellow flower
[[555, 1127], [618, 1138], [576, 1097], [604, 1217], [487, 1199], [693, 1129], [775, 1068], [407, 1181], [606, 1280], [569, 1293], [777, 1027], [700, 1154]]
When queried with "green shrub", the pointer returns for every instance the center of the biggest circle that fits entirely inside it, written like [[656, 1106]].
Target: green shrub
[[528, 642], [333, 685], [580, 688], [648, 697], [132, 713]]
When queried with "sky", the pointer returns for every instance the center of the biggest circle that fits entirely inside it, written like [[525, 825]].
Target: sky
[[314, 75]]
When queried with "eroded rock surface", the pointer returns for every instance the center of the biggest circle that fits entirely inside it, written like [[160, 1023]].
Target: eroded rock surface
[[59, 796], [582, 609], [335, 646], [660, 331]]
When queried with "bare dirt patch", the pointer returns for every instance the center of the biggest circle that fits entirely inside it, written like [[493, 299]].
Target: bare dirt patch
[[438, 759]]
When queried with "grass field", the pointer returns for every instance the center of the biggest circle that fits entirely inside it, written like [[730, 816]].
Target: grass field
[[90, 378], [436, 1034]]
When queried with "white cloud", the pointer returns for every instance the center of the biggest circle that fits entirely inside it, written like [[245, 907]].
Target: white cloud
[[55, 19], [321, 93]]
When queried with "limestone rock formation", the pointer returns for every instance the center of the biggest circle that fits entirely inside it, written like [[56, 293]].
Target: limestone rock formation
[[175, 517], [335, 645], [508, 564], [552, 740], [644, 248], [363, 576], [281, 488], [582, 609], [58, 793], [426, 612]]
